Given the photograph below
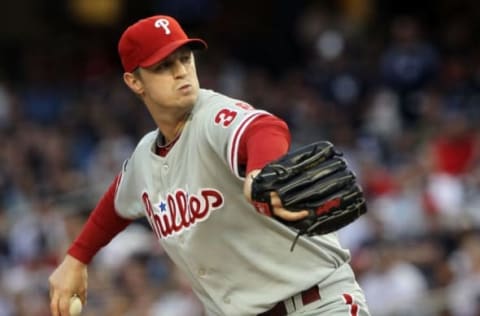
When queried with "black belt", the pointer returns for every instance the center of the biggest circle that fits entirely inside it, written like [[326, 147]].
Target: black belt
[[308, 296]]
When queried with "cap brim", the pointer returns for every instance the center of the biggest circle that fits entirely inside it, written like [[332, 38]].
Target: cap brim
[[161, 54]]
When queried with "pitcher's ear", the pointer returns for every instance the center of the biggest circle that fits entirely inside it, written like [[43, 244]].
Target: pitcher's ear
[[134, 82]]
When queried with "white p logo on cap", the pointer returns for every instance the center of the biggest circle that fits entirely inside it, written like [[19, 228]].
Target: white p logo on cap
[[163, 23]]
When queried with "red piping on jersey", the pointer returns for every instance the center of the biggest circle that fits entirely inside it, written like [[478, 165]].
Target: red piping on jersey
[[353, 306], [236, 141]]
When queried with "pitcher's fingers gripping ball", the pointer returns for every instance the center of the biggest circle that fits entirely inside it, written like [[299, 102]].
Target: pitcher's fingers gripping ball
[[75, 306], [314, 178]]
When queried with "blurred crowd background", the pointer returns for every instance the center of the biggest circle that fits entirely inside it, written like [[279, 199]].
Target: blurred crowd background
[[394, 84]]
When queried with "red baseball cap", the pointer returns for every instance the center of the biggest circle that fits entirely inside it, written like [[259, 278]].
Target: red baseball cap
[[150, 40]]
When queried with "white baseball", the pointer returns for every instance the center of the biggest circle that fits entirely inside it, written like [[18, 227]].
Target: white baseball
[[75, 306]]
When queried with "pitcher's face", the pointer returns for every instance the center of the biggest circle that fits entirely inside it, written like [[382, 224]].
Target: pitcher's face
[[170, 83]]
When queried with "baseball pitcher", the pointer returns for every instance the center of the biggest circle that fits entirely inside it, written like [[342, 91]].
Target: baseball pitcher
[[250, 223]]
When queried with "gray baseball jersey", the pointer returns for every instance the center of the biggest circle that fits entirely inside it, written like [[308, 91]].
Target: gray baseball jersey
[[237, 260]]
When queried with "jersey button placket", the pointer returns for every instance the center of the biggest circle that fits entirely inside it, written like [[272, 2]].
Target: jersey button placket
[[165, 168]]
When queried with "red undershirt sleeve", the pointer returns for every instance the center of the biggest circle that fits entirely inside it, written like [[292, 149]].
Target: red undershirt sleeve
[[265, 139], [101, 227]]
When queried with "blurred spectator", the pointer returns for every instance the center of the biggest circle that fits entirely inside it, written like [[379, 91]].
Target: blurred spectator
[[464, 292], [108, 156], [393, 286], [180, 301], [451, 155], [6, 107], [408, 64], [382, 118]]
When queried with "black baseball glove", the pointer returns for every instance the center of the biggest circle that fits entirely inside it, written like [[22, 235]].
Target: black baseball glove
[[314, 178]]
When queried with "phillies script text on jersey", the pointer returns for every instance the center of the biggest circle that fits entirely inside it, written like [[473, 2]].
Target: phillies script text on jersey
[[180, 210]]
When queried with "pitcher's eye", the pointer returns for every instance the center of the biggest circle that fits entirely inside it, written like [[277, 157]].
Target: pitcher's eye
[[163, 66], [185, 58]]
